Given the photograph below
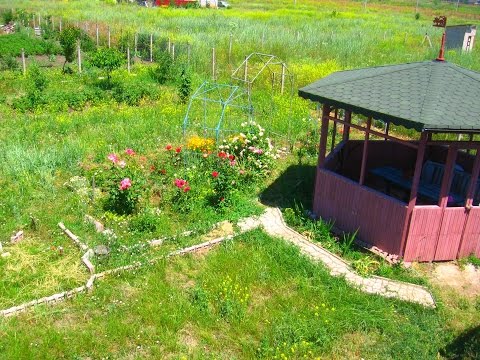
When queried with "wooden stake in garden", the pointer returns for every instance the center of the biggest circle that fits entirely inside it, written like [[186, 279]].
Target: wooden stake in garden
[[24, 66], [135, 39], [60, 25], [53, 23], [173, 51], [230, 49], [128, 59], [282, 85], [79, 58], [246, 69], [169, 46], [151, 47], [109, 44], [213, 64], [96, 34]]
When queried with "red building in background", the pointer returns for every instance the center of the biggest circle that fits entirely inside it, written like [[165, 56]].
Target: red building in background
[[175, 2]]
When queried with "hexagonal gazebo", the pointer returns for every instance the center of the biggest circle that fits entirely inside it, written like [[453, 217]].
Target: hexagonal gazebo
[[417, 198]]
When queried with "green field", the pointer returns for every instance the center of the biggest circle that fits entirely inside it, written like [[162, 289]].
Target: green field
[[252, 297]]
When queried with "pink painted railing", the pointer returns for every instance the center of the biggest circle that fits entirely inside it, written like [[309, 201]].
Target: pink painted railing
[[378, 218]]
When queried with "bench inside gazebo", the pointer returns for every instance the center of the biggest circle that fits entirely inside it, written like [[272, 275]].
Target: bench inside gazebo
[[416, 197]]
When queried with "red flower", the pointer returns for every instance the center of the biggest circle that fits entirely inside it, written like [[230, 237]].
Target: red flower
[[231, 157], [222, 198], [129, 152], [180, 183], [163, 171], [178, 149], [186, 189], [168, 147], [152, 168], [215, 174], [222, 154]]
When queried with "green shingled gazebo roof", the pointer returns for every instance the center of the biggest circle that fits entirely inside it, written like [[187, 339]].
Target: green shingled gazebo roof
[[430, 95]]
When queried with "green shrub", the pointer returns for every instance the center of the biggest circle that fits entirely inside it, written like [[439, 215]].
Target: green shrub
[[36, 84], [68, 40], [7, 16], [145, 222], [8, 62], [131, 93], [184, 86], [107, 60], [163, 71]]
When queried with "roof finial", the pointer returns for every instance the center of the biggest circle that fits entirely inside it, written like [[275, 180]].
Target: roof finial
[[441, 21]]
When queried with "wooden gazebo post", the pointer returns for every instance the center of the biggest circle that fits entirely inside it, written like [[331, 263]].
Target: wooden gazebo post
[[346, 129], [448, 176], [323, 134], [415, 183], [365, 152]]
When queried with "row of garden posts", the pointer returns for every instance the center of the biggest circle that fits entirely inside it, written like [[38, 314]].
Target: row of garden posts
[[170, 47]]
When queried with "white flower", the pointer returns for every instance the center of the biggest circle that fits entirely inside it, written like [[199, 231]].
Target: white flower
[[260, 134]]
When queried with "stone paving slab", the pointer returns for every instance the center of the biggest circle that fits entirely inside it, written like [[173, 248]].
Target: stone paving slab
[[273, 223]]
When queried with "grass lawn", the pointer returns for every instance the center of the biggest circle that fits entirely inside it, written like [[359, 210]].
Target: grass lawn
[[253, 297]]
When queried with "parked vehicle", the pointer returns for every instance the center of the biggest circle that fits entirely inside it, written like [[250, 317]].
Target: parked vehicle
[[223, 4]]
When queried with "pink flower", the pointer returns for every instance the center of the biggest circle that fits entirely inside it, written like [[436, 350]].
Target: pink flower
[[232, 163], [242, 172], [113, 158], [215, 174], [168, 147], [129, 152], [258, 151], [122, 164], [186, 189], [125, 184], [180, 183]]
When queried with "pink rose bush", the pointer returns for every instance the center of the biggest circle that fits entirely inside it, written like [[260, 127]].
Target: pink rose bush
[[171, 176]]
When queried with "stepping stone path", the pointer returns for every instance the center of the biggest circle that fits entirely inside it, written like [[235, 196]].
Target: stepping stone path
[[274, 225]]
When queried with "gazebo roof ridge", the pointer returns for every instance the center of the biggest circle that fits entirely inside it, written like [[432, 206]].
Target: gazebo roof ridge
[[426, 95]]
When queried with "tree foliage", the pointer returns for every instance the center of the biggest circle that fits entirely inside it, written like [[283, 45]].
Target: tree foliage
[[68, 40], [184, 86], [107, 59], [163, 72]]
